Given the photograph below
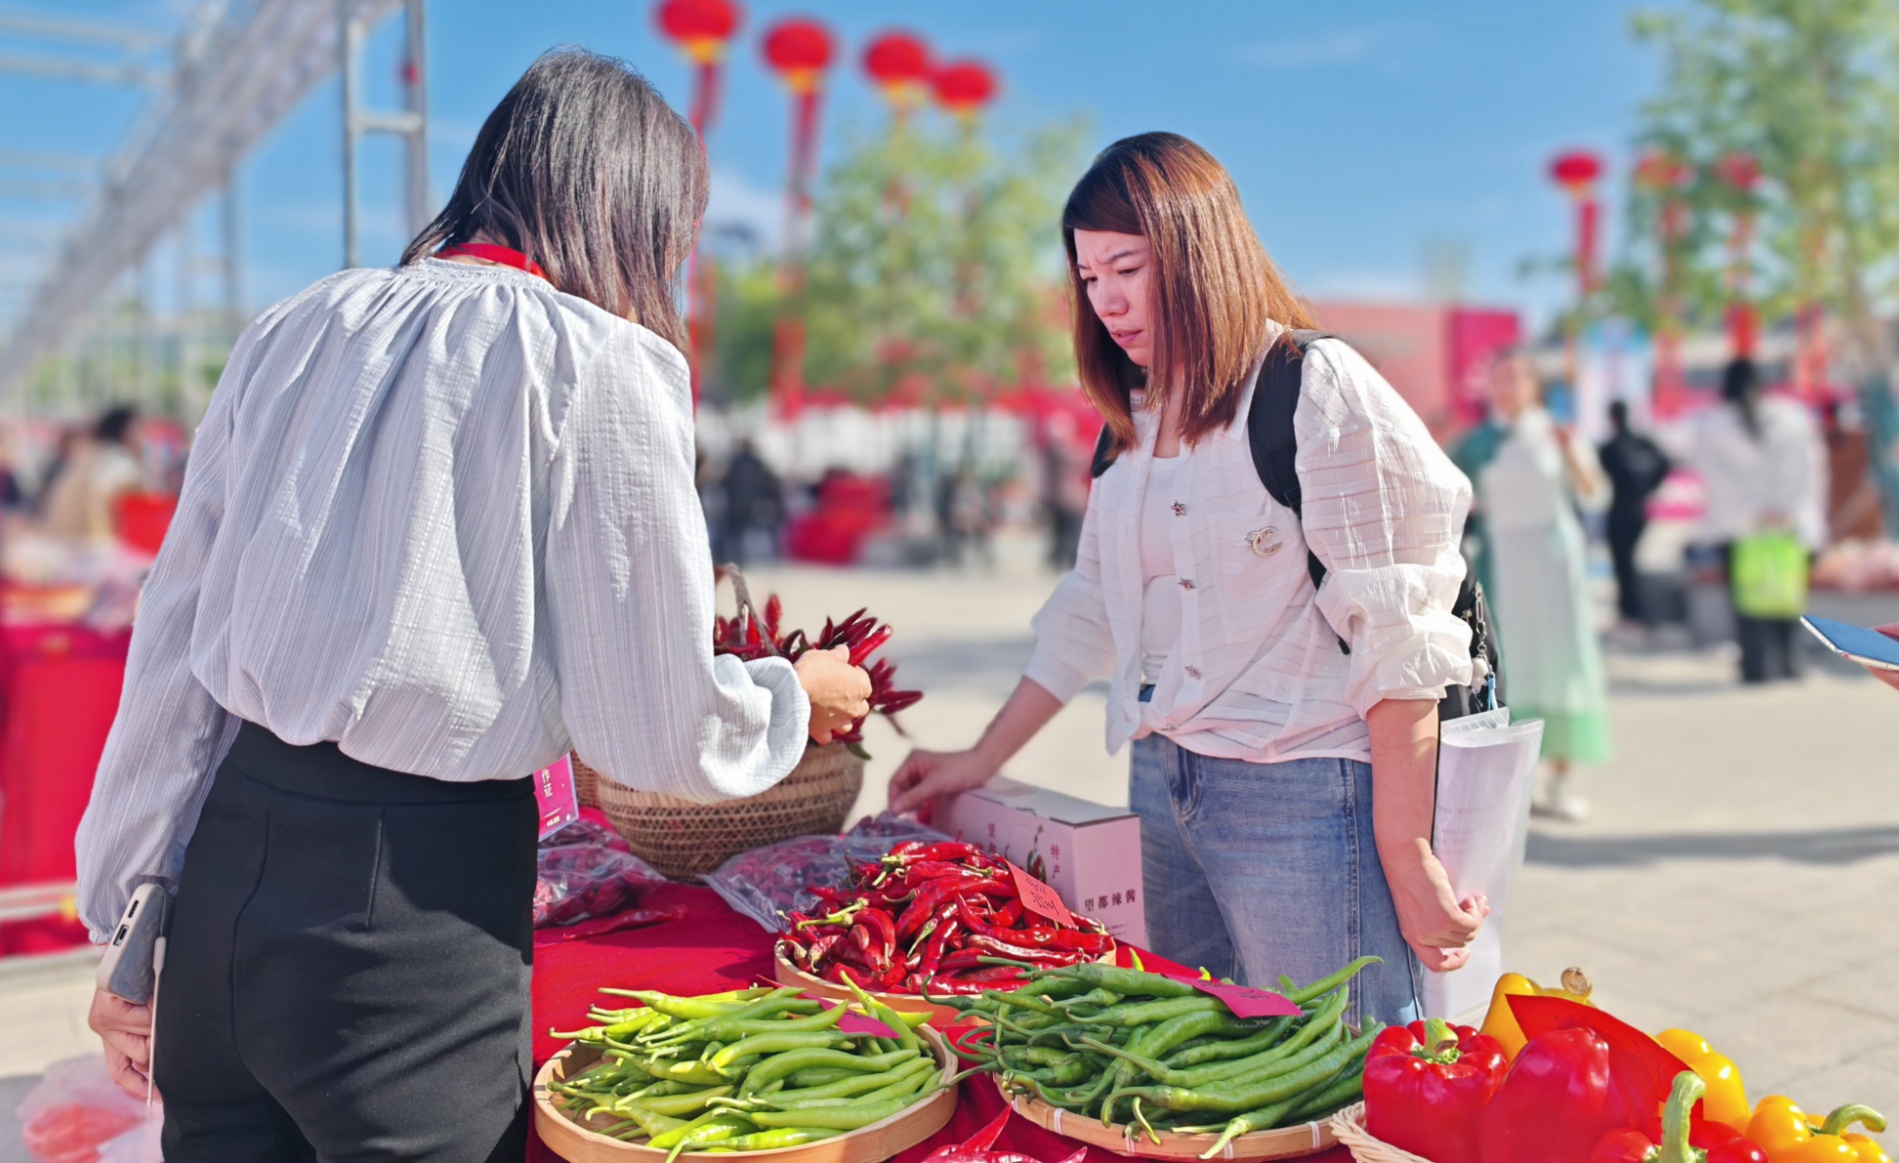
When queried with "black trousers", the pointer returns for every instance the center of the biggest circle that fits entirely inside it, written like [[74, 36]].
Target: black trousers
[[347, 975], [1770, 647], [1625, 533]]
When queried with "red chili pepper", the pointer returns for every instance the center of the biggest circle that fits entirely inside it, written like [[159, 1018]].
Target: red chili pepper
[[869, 644], [951, 985], [948, 928], [631, 919], [1093, 944], [1009, 913], [991, 974], [1426, 1086], [928, 899], [945, 851], [1038, 955]]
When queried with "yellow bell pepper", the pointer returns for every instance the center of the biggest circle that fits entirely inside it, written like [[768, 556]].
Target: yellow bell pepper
[[1867, 1150], [1788, 1135], [1726, 1099], [1501, 1024]]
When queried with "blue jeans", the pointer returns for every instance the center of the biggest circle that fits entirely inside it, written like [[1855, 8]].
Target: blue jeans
[[1257, 869]]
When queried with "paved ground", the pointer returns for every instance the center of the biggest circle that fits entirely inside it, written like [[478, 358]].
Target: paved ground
[[1738, 878]]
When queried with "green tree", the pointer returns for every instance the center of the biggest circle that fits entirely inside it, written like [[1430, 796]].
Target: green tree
[[1810, 90], [936, 264]]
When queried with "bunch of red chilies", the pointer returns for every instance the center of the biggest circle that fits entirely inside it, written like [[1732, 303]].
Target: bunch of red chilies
[[750, 638], [933, 919]]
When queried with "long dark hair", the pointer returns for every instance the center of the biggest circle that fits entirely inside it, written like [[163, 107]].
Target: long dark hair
[[584, 168], [1741, 387], [1215, 289]]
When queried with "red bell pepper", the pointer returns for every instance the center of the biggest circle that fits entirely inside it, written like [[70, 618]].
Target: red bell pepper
[[1556, 1103], [1678, 1138], [1641, 1071], [1426, 1086]]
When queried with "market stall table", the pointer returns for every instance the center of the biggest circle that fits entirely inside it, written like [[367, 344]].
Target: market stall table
[[715, 949]]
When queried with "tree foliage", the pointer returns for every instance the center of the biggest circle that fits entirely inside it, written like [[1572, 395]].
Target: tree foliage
[[934, 271], [1810, 90]]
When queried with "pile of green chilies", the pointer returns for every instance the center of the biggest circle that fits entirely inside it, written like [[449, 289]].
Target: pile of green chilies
[[749, 1070], [1101, 1041]]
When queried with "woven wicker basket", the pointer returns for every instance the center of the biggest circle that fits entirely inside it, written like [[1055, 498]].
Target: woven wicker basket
[[1348, 1126], [586, 783], [686, 840]]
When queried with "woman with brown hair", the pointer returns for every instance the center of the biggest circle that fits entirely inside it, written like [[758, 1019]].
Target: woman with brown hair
[[1284, 735], [439, 526]]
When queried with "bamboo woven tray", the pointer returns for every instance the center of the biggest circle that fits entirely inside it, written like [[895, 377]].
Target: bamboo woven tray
[[1282, 1143], [1349, 1126], [872, 1144]]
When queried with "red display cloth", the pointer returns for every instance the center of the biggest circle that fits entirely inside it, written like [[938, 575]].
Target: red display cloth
[[716, 949], [59, 689]]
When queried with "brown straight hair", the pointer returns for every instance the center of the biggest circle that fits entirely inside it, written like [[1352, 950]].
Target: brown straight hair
[[1214, 287], [584, 168]]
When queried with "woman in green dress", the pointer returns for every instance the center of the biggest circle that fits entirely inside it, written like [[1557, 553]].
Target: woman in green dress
[[1530, 488]]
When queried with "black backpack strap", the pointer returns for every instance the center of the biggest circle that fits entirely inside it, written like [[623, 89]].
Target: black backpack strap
[[1269, 428], [1104, 453]]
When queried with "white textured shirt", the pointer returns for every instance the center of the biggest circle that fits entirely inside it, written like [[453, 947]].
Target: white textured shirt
[[1256, 672], [444, 517], [1749, 478]]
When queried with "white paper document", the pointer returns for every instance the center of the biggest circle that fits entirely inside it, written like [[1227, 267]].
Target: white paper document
[[1485, 765]]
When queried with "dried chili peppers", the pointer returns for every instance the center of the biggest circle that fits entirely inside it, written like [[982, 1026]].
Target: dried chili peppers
[[938, 918], [750, 636]]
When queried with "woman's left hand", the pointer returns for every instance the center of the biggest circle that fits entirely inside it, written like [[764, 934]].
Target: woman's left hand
[[1889, 677], [1438, 927]]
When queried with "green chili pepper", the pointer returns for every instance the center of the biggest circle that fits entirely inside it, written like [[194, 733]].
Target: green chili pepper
[[791, 1061], [820, 1076], [714, 1124], [837, 1118], [1245, 1094], [1213, 1051], [774, 1043], [856, 1084], [674, 1105], [1122, 981], [1332, 981], [712, 1005], [778, 1137]]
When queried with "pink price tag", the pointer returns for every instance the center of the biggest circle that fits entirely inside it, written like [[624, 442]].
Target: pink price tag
[[554, 795], [1040, 898], [1244, 1000], [856, 1023]]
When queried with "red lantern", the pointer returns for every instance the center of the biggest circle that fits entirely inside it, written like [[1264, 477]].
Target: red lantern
[[1662, 175], [1576, 171], [799, 51], [701, 27], [964, 87], [899, 64], [1743, 172]]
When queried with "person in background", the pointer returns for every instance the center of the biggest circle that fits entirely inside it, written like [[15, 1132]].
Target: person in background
[[1546, 627], [752, 499], [1284, 732], [1636, 467], [102, 468], [1763, 467], [438, 530], [1470, 454]]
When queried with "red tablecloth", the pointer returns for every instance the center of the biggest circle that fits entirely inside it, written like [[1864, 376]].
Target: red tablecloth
[[718, 949], [59, 689]]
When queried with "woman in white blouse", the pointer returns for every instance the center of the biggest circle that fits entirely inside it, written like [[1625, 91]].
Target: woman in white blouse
[[1285, 786], [439, 526]]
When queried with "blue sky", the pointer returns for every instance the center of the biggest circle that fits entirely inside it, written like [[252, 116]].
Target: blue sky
[[1362, 134]]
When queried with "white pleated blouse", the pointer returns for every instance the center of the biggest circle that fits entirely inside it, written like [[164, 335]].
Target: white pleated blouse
[[444, 517], [1256, 671]]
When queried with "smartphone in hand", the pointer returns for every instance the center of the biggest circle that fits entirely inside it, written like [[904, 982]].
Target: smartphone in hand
[[129, 968], [1855, 643]]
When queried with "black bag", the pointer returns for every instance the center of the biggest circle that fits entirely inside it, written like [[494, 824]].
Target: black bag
[[1270, 434]]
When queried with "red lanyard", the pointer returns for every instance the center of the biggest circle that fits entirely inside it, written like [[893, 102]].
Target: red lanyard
[[495, 254]]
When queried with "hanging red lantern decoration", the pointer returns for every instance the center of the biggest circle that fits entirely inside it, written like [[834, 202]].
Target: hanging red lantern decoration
[[1662, 175], [1576, 171], [964, 87], [1743, 172], [799, 51], [899, 65], [701, 27]]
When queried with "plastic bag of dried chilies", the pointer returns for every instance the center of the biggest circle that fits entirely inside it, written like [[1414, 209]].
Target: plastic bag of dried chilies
[[786, 877], [750, 635]]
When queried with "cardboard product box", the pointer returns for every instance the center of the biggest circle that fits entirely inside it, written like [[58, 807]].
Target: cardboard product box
[[1088, 853]]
